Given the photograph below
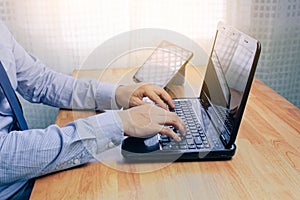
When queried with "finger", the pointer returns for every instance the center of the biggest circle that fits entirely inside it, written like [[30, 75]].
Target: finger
[[166, 97], [154, 97], [168, 132], [173, 120]]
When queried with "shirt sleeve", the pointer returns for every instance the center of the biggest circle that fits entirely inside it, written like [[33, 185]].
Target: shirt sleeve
[[32, 153], [39, 84]]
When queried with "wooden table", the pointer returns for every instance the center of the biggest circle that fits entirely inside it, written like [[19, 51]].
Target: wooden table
[[265, 166]]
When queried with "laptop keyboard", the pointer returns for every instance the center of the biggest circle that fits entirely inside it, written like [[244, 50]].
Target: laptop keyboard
[[225, 117], [195, 137]]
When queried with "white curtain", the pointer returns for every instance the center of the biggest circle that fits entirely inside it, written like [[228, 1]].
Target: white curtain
[[62, 33]]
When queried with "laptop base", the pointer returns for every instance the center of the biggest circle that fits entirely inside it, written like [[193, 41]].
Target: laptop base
[[148, 149]]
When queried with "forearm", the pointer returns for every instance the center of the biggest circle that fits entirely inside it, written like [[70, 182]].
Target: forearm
[[42, 151], [63, 91], [39, 84]]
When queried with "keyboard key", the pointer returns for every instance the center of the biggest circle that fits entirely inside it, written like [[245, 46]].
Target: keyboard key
[[196, 135], [189, 136], [182, 147], [194, 131], [197, 140], [189, 141], [192, 146], [201, 146]]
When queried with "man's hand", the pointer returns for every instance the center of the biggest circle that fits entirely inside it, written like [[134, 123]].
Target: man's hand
[[147, 120], [132, 95]]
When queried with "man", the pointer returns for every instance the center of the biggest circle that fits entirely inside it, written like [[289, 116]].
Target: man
[[25, 155]]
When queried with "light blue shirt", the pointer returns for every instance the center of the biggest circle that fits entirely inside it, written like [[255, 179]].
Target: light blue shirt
[[32, 153]]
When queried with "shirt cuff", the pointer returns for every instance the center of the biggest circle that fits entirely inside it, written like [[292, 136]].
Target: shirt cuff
[[104, 130], [110, 127], [106, 96]]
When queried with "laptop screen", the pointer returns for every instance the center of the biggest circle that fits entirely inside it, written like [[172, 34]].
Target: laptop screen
[[228, 80]]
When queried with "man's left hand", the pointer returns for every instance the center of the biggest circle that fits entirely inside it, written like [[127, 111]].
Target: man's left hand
[[132, 95]]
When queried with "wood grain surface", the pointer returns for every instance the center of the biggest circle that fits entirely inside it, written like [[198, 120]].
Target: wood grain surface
[[265, 166]]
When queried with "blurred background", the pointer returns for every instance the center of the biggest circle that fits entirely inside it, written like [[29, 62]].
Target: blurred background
[[62, 33]]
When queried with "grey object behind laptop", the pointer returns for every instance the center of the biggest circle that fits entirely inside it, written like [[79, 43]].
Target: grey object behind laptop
[[213, 119], [164, 64]]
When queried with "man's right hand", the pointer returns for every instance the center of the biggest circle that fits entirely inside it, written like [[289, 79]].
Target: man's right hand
[[148, 120]]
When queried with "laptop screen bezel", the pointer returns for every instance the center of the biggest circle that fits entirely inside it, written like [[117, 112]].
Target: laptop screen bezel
[[237, 121]]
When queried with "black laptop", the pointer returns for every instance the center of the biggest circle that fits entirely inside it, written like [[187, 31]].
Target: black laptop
[[212, 119]]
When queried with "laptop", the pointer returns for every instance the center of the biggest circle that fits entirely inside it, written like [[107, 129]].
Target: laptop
[[212, 119]]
